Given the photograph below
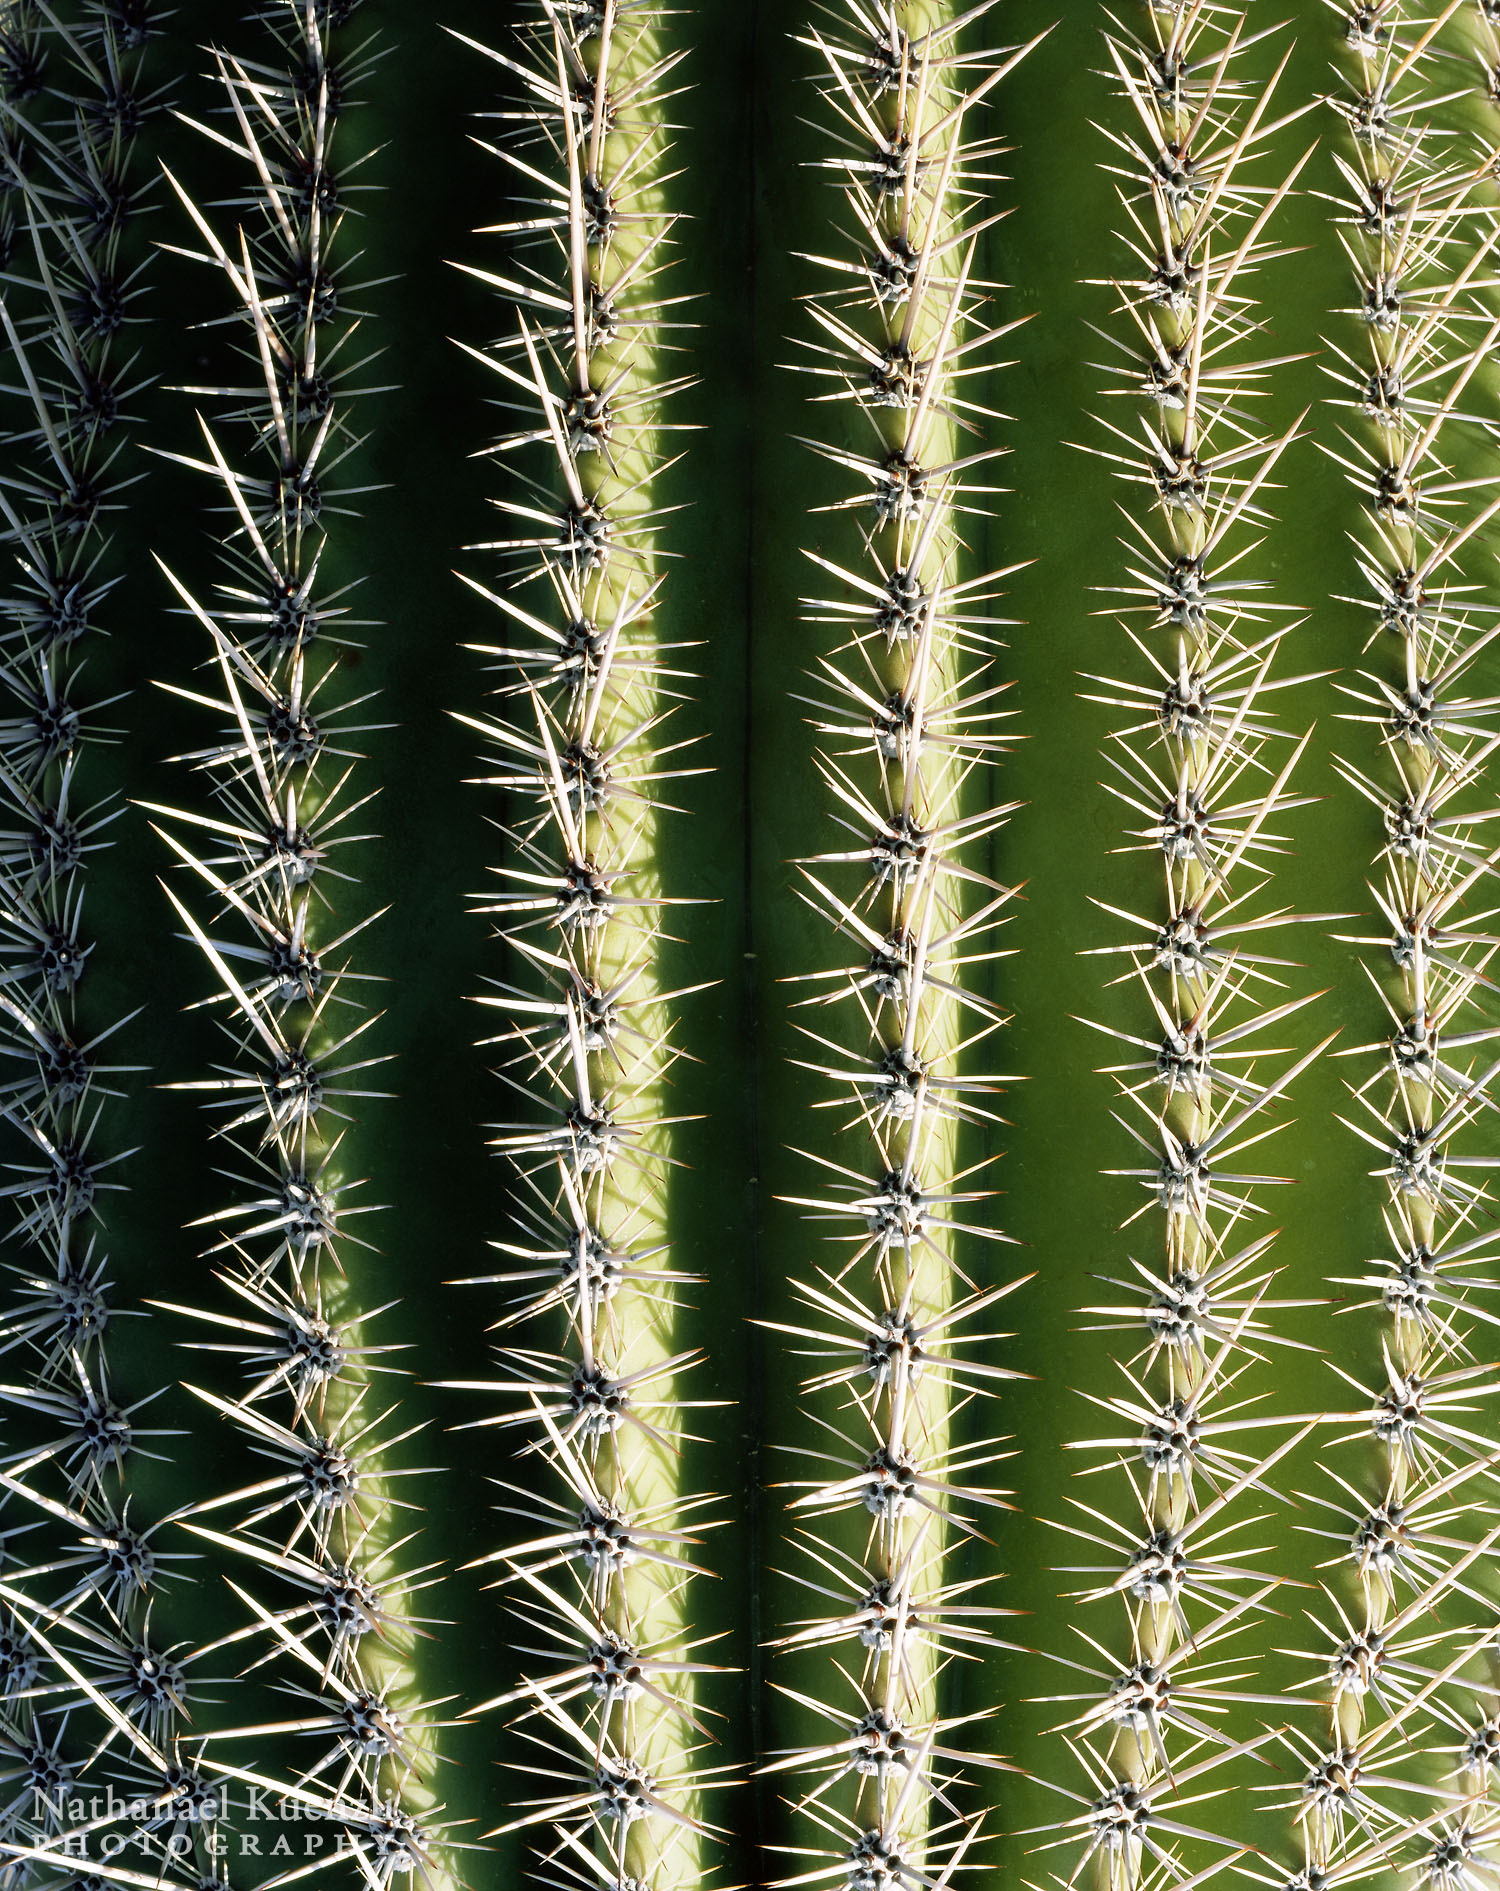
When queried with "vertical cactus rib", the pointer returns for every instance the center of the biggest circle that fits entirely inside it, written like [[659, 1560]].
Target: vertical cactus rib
[[91, 1689], [320, 1530], [1202, 770], [909, 722], [1410, 1620], [600, 1521]]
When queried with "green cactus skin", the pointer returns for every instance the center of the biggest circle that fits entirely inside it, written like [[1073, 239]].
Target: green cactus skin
[[1286, 1728]]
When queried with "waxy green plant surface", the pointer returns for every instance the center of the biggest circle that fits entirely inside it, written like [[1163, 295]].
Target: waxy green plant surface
[[747, 919]]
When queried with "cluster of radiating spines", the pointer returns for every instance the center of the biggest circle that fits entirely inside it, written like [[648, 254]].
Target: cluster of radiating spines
[[90, 1685], [908, 709], [1160, 1702], [587, 1393], [257, 868], [1397, 1760]]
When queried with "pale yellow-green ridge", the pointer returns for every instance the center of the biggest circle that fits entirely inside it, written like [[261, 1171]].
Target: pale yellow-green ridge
[[907, 694], [598, 1533]]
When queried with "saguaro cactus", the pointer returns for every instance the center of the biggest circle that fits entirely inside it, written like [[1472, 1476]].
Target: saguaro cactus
[[701, 703]]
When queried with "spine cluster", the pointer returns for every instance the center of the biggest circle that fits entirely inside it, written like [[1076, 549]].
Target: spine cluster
[[909, 722], [1203, 769], [260, 880], [600, 1525]]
